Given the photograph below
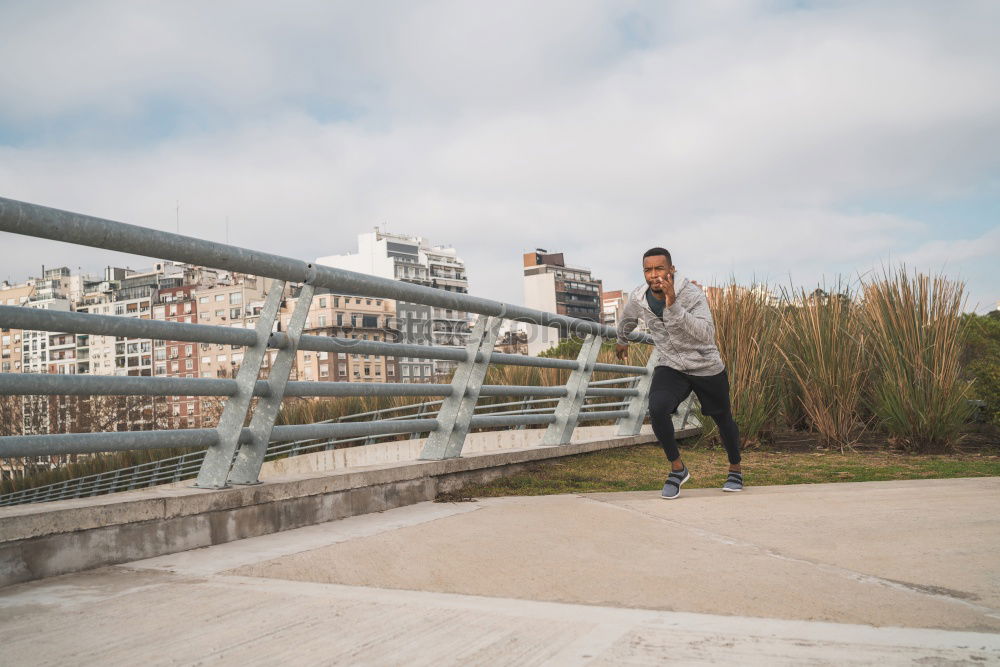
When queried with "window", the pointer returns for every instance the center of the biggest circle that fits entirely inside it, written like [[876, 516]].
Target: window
[[188, 364], [235, 297], [322, 356], [234, 313], [203, 299], [322, 302], [220, 313], [324, 370], [206, 360], [220, 297], [188, 350]]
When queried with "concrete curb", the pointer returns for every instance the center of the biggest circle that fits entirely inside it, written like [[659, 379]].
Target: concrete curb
[[68, 536]]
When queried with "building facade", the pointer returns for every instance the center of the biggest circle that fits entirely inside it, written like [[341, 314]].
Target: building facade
[[413, 259], [552, 286], [613, 305], [346, 317]]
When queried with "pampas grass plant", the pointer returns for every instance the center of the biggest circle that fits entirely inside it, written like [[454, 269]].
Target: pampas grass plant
[[822, 349], [913, 332]]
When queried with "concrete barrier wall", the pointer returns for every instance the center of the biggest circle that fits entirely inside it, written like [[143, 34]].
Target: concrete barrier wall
[[67, 536]]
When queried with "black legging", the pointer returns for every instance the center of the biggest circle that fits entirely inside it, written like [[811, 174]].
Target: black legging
[[662, 404]]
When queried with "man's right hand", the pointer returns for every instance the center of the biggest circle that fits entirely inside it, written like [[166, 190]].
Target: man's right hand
[[621, 351]]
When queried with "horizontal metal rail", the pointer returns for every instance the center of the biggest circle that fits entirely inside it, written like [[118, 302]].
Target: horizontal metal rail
[[625, 380], [344, 429], [89, 443], [521, 390], [112, 385], [300, 388], [116, 325], [40, 319], [609, 414], [44, 222], [487, 421], [620, 368]]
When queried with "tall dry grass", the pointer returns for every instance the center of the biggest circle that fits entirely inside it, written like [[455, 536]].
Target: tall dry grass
[[822, 349], [913, 340], [747, 330]]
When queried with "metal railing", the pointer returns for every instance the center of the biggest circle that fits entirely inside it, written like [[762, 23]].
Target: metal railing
[[233, 453], [186, 466]]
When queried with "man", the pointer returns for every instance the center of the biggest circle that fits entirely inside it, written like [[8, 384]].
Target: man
[[677, 315]]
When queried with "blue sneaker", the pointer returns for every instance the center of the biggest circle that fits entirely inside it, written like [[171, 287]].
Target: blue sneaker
[[672, 488], [734, 482]]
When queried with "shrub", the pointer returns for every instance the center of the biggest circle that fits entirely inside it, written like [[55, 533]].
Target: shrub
[[913, 331], [747, 330], [981, 362], [822, 350]]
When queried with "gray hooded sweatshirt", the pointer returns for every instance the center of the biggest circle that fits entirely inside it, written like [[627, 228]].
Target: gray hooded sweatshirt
[[684, 337]]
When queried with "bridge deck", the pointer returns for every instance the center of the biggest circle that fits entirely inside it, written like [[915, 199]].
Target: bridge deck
[[826, 574]]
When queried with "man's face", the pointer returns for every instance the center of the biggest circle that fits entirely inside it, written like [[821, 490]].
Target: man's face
[[656, 269]]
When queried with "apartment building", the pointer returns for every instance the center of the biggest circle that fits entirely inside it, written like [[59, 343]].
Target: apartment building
[[613, 305], [552, 286], [235, 301], [178, 358], [11, 350], [413, 259], [347, 317]]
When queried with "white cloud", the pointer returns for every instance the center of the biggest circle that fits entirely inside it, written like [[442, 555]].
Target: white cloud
[[733, 133]]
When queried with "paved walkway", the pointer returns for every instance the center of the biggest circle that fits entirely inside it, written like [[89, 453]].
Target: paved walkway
[[891, 572]]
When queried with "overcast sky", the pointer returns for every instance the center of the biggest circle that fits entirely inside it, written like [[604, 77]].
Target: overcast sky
[[788, 141]]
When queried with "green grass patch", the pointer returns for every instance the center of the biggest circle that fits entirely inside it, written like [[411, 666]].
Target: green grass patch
[[644, 468]]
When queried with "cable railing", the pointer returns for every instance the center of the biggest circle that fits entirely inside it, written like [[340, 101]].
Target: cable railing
[[232, 452]]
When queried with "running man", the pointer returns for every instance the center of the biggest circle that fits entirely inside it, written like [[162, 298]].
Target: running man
[[676, 313]]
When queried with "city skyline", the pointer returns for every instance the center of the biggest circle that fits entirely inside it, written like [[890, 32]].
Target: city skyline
[[790, 142]]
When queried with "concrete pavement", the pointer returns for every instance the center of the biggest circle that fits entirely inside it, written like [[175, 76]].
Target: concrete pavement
[[888, 572]]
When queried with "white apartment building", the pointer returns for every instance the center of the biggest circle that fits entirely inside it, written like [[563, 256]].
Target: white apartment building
[[413, 259]]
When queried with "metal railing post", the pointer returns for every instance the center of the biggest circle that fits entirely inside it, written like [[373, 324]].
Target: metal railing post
[[686, 407], [638, 406], [219, 457], [567, 411], [249, 459], [456, 411]]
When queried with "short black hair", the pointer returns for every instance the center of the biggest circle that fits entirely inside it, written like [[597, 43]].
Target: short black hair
[[652, 252]]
